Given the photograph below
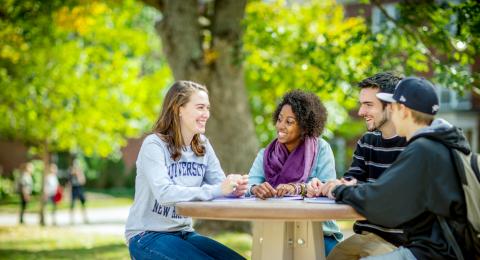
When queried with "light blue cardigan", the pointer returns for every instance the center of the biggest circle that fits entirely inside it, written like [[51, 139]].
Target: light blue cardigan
[[324, 170]]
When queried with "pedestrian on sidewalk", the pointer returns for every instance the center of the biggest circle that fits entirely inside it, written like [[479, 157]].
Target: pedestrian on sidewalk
[[52, 191], [25, 187], [77, 180]]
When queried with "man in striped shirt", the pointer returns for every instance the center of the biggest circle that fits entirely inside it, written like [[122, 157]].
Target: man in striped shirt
[[380, 146], [376, 150]]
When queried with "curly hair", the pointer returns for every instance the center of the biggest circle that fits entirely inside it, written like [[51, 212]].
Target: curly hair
[[309, 111]]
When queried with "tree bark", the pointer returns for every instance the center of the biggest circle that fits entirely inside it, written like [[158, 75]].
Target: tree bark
[[216, 63]]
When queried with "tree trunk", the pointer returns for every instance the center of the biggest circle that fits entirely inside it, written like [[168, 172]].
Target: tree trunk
[[210, 54]]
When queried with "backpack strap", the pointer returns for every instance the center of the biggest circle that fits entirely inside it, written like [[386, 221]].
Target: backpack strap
[[450, 238], [447, 232], [474, 164]]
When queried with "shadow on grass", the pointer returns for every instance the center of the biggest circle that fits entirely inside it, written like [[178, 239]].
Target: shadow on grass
[[109, 251]]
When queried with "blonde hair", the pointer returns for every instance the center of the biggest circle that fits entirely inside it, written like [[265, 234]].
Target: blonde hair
[[422, 118], [168, 123]]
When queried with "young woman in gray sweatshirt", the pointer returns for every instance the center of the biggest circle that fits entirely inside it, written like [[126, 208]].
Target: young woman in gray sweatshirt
[[177, 163]]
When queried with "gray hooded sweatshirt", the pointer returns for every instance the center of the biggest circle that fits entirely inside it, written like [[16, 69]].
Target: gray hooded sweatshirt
[[161, 182]]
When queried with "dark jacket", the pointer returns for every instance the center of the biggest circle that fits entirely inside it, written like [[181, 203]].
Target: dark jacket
[[420, 184]]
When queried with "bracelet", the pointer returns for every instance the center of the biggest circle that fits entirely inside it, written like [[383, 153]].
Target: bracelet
[[294, 188], [303, 189], [251, 189], [297, 189]]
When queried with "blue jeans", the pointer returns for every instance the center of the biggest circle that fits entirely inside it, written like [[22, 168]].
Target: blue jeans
[[177, 245], [330, 243], [400, 253]]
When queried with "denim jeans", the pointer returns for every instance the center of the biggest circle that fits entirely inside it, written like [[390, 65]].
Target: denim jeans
[[330, 242], [398, 254], [177, 245]]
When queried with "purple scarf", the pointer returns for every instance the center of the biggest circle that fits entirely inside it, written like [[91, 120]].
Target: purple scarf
[[281, 167]]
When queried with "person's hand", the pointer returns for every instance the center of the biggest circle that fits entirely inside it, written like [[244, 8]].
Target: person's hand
[[235, 184], [242, 185], [285, 189], [264, 191], [349, 181], [314, 187], [328, 187]]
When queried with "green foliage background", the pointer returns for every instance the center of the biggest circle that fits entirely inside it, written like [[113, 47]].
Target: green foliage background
[[79, 76], [83, 76]]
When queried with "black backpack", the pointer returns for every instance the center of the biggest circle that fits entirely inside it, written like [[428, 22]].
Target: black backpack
[[467, 168]]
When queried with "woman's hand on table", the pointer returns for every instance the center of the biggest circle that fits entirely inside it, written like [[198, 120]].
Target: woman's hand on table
[[235, 185], [314, 187], [264, 191], [285, 189]]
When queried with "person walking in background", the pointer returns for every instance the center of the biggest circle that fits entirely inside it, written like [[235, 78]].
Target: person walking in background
[[77, 180], [297, 155], [51, 189], [25, 187], [177, 163]]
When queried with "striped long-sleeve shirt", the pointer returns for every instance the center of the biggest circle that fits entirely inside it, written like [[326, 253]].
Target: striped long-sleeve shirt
[[371, 158], [373, 155]]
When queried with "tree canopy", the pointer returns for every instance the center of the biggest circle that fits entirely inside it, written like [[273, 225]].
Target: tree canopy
[[86, 75], [310, 46], [79, 76], [314, 45]]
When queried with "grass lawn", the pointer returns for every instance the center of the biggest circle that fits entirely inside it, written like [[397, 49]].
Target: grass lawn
[[33, 242]]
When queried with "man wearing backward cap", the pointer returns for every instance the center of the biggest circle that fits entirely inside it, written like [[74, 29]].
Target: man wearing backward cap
[[420, 184]]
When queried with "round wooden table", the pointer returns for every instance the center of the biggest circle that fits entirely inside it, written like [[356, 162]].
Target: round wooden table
[[282, 229]]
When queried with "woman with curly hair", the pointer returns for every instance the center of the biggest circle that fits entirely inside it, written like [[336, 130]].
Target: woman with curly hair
[[297, 155]]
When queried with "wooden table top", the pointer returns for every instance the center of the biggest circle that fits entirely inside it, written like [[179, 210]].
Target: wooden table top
[[266, 210]]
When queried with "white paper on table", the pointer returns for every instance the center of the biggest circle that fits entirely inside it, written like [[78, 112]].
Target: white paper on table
[[253, 198], [220, 199], [324, 200], [287, 197]]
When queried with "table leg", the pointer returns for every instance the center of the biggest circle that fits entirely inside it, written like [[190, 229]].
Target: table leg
[[272, 240], [308, 240], [287, 240]]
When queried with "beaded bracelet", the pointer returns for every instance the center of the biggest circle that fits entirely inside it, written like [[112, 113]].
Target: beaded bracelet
[[294, 188], [304, 189]]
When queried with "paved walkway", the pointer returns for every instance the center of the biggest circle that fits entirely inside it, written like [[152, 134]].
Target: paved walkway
[[101, 220]]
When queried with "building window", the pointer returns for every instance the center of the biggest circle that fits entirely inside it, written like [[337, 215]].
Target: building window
[[380, 21], [451, 100]]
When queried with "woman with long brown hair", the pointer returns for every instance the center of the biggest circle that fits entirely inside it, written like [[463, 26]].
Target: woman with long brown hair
[[177, 163]]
